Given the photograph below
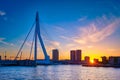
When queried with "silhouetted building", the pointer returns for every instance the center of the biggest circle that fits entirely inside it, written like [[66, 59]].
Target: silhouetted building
[[0, 57], [5, 55], [114, 60], [78, 55], [55, 55], [72, 55], [87, 59], [104, 60], [96, 61], [75, 55], [111, 60]]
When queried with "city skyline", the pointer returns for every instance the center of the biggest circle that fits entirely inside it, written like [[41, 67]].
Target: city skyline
[[65, 25]]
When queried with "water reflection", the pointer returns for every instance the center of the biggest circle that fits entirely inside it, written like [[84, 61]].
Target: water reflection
[[59, 72]]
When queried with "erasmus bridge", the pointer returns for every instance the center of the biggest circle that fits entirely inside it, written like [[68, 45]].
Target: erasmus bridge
[[36, 38]]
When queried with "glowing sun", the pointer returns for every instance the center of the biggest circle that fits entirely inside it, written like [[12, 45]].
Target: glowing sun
[[92, 61]]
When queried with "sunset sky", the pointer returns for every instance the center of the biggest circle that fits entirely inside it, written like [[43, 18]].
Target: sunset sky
[[90, 25]]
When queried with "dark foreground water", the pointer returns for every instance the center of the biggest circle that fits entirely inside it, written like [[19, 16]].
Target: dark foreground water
[[59, 72]]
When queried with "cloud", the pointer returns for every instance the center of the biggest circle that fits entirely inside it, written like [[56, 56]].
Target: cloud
[[52, 45], [65, 37], [96, 31], [81, 41], [2, 13], [2, 40], [111, 50], [70, 45], [55, 43], [92, 32], [90, 46], [82, 18], [105, 32], [59, 28], [28, 43]]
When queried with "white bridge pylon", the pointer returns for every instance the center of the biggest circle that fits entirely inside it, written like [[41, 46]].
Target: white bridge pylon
[[38, 35]]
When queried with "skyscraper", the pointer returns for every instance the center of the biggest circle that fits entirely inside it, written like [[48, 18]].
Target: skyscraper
[[87, 59], [55, 55], [0, 57], [75, 55], [104, 59], [96, 61], [114, 60], [78, 55], [72, 55]]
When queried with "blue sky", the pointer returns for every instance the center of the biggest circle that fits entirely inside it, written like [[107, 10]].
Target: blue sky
[[72, 24]]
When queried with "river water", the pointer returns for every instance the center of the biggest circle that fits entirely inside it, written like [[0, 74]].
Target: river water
[[59, 72]]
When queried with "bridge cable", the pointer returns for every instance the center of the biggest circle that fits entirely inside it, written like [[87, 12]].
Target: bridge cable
[[32, 46], [24, 41]]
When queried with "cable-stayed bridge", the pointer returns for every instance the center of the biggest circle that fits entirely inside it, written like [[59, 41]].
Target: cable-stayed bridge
[[36, 38]]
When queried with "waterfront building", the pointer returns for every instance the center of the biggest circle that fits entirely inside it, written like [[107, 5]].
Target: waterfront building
[[75, 55], [0, 58], [78, 55], [114, 60], [55, 55], [104, 60], [72, 55], [111, 60], [87, 59], [96, 60]]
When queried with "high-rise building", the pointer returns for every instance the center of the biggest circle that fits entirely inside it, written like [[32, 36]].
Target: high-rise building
[[111, 60], [114, 60], [96, 60], [75, 55], [78, 55], [72, 55], [0, 57], [104, 59], [87, 59], [55, 55]]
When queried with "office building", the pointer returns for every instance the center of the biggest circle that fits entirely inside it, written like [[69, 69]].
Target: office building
[[78, 55], [114, 60], [104, 60], [0, 57], [87, 59], [72, 55], [55, 55], [75, 55], [96, 60]]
